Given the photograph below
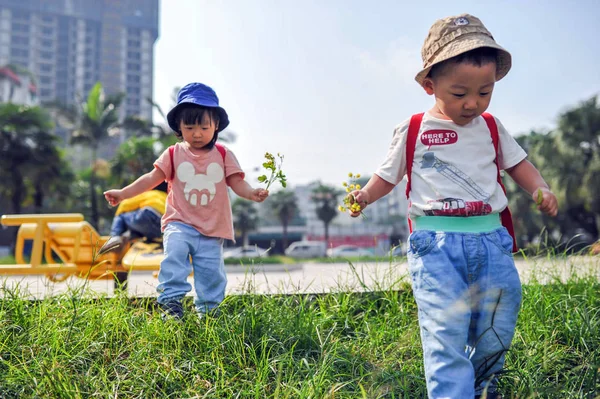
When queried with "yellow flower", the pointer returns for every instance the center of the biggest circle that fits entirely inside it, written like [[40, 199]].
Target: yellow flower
[[344, 184], [352, 187], [358, 186], [350, 174], [355, 207], [348, 189], [358, 175], [341, 208]]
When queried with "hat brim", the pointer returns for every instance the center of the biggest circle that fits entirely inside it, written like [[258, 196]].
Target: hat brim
[[468, 43], [223, 117]]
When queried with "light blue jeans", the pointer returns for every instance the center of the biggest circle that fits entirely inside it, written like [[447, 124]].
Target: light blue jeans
[[468, 294], [181, 241]]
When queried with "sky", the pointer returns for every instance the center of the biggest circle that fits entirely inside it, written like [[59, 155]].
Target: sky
[[324, 82]]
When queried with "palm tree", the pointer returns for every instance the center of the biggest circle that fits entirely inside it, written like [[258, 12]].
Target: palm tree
[[245, 217], [325, 198], [284, 204], [92, 122], [22, 130]]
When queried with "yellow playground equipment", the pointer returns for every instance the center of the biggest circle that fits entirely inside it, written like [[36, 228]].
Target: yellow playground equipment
[[65, 245]]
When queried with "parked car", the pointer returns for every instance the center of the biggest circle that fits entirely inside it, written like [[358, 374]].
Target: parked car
[[307, 249], [348, 251], [245, 252]]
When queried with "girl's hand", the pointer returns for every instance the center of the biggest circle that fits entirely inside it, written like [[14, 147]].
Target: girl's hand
[[546, 201], [361, 197], [113, 197], [259, 194]]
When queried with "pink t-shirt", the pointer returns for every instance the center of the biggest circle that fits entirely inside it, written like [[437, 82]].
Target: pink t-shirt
[[198, 195]]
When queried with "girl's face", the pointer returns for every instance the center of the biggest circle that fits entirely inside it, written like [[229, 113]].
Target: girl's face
[[462, 91], [200, 133]]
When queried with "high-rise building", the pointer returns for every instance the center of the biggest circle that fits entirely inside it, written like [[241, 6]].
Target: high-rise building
[[69, 45]]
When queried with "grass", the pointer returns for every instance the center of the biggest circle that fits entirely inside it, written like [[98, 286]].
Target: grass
[[338, 345]]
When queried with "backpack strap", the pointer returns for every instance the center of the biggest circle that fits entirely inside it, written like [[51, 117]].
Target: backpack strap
[[505, 215], [221, 148], [411, 142]]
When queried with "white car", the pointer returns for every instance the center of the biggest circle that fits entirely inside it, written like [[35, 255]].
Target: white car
[[306, 249], [245, 252], [348, 251]]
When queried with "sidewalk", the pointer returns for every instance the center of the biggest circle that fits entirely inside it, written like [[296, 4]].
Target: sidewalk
[[299, 278]]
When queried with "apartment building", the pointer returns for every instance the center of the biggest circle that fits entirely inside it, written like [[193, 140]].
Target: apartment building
[[69, 45]]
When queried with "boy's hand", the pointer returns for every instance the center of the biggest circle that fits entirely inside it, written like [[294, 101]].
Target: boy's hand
[[259, 194], [546, 201], [361, 197], [113, 197]]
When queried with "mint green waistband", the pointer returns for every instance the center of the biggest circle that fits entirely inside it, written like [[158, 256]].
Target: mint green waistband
[[470, 224]]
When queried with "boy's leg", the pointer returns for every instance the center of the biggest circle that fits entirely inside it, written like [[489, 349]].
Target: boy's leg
[[118, 225], [498, 298], [145, 223], [179, 239], [210, 279], [438, 266]]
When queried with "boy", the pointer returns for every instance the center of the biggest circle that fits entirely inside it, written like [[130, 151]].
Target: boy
[[463, 275], [198, 212]]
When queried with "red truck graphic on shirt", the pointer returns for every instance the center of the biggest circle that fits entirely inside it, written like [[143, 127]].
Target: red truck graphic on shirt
[[457, 207]]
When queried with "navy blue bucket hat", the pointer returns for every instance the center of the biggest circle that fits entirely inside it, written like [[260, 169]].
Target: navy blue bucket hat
[[199, 94]]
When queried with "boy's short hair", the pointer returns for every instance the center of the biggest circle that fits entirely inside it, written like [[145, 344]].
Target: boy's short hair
[[478, 57], [191, 114], [452, 36]]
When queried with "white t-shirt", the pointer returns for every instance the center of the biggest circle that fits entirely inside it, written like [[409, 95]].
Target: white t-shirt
[[453, 171]]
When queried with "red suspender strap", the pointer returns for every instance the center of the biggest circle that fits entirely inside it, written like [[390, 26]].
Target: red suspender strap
[[171, 149], [505, 215], [222, 150], [411, 142]]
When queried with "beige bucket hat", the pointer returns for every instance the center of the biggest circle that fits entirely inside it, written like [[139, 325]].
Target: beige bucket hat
[[451, 36]]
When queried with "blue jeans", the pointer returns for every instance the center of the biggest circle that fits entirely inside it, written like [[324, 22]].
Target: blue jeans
[[142, 222], [468, 294], [181, 241]]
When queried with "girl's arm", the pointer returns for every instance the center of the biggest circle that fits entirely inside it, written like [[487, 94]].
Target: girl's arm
[[142, 184], [244, 190]]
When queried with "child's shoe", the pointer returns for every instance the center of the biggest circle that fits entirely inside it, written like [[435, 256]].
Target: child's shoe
[[112, 244], [172, 309]]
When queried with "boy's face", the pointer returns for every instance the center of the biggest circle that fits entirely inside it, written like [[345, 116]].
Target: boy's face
[[199, 134], [462, 91]]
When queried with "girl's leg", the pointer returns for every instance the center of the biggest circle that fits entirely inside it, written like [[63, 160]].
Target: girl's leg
[[210, 279], [179, 240]]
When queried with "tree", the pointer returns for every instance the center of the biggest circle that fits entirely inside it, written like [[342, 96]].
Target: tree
[[245, 217], [284, 204], [92, 122], [51, 173], [325, 198], [134, 157], [25, 147]]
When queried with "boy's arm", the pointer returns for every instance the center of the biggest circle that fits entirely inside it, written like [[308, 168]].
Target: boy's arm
[[244, 190], [142, 184], [375, 189], [529, 178]]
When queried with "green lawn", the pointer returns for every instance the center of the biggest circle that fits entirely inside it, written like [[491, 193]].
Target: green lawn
[[343, 345]]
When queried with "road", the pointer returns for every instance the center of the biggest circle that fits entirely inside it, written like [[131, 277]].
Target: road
[[298, 278]]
